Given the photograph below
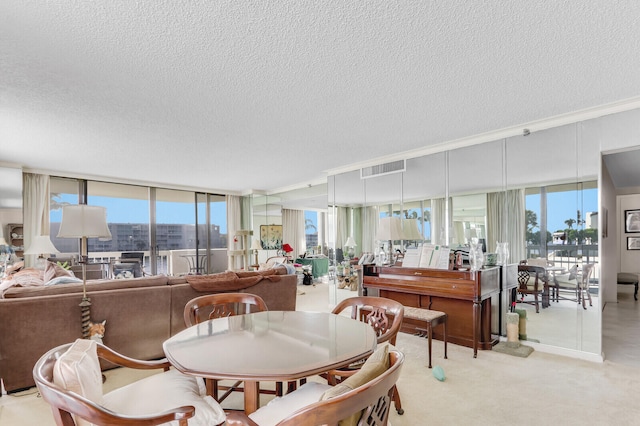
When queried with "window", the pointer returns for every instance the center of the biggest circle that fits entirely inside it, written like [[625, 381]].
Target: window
[[131, 220], [311, 230], [559, 222]]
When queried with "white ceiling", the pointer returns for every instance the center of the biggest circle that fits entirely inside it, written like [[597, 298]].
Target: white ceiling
[[235, 96]]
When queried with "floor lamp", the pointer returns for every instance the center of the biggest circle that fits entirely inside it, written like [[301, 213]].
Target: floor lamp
[[83, 221]]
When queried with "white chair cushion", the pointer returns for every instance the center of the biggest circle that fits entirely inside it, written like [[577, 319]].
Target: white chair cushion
[[78, 370], [165, 391], [280, 408]]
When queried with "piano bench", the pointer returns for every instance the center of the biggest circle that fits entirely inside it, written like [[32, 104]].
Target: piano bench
[[431, 319], [627, 278]]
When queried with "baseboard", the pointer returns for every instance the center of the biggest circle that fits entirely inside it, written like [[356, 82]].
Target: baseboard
[[555, 350]]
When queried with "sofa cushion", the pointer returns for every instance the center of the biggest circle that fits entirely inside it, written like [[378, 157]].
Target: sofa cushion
[[92, 285], [165, 391]]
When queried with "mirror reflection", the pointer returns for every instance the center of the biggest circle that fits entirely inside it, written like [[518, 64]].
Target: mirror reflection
[[543, 205]]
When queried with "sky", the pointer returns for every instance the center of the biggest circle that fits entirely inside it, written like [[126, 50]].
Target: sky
[[559, 209]]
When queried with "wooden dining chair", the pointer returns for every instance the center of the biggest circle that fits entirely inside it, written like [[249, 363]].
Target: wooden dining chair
[[367, 404], [385, 316], [69, 379], [220, 305], [532, 281]]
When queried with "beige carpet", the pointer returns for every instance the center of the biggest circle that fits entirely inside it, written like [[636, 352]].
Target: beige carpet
[[493, 389]]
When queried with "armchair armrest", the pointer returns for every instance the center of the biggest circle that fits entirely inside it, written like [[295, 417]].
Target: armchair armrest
[[236, 418], [124, 361]]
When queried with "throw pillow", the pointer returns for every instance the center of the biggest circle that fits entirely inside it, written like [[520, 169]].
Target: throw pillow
[[78, 370], [53, 270], [375, 365], [63, 280]]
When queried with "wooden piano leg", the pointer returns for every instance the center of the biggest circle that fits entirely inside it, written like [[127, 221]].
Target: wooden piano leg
[[476, 328]]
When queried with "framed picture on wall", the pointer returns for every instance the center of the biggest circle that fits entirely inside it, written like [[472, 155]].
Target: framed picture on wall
[[271, 237], [631, 221], [633, 243]]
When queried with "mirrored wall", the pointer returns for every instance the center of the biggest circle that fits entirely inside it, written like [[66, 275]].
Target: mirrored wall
[[538, 192]]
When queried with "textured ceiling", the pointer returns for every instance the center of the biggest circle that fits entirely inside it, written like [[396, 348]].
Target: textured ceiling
[[234, 96]]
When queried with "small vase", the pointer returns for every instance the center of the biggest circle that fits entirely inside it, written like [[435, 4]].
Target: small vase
[[503, 253], [476, 257]]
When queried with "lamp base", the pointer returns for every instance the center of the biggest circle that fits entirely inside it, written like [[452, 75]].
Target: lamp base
[[85, 316]]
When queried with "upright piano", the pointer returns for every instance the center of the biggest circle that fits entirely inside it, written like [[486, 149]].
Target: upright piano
[[463, 294]]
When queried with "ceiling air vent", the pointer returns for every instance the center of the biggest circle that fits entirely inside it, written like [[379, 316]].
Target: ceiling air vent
[[383, 169]]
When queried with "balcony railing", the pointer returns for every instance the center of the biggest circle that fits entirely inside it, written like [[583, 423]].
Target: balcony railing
[[567, 255]]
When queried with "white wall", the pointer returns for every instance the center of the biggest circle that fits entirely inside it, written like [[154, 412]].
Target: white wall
[[629, 259], [8, 216]]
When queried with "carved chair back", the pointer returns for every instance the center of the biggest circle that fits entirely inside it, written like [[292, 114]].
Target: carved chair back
[[221, 305]]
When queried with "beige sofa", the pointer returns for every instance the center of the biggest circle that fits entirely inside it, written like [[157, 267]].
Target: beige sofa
[[140, 314]]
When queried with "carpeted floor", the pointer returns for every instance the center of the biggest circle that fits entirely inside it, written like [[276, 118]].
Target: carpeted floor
[[493, 389]]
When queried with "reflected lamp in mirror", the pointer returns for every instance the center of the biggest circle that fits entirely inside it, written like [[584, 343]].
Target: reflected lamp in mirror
[[255, 246], [83, 221], [389, 230], [350, 245], [41, 246], [410, 230]]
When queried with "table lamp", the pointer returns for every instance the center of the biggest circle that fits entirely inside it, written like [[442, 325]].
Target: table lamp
[[40, 246], [410, 230], [255, 246], [83, 221], [350, 244], [389, 229]]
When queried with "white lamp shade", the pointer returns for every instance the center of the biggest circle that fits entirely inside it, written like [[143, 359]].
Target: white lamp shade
[[350, 242], [255, 245], [41, 245], [389, 228], [84, 221], [410, 229], [3, 242]]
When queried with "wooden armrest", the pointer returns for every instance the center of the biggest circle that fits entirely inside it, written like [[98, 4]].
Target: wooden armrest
[[124, 361], [238, 418], [97, 414]]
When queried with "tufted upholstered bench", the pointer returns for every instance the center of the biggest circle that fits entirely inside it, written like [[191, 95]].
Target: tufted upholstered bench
[[431, 319], [628, 278]]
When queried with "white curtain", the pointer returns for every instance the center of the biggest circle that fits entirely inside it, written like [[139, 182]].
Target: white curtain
[[342, 227], [35, 210], [293, 230], [234, 224], [322, 231], [356, 229], [438, 221], [506, 222], [370, 229]]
